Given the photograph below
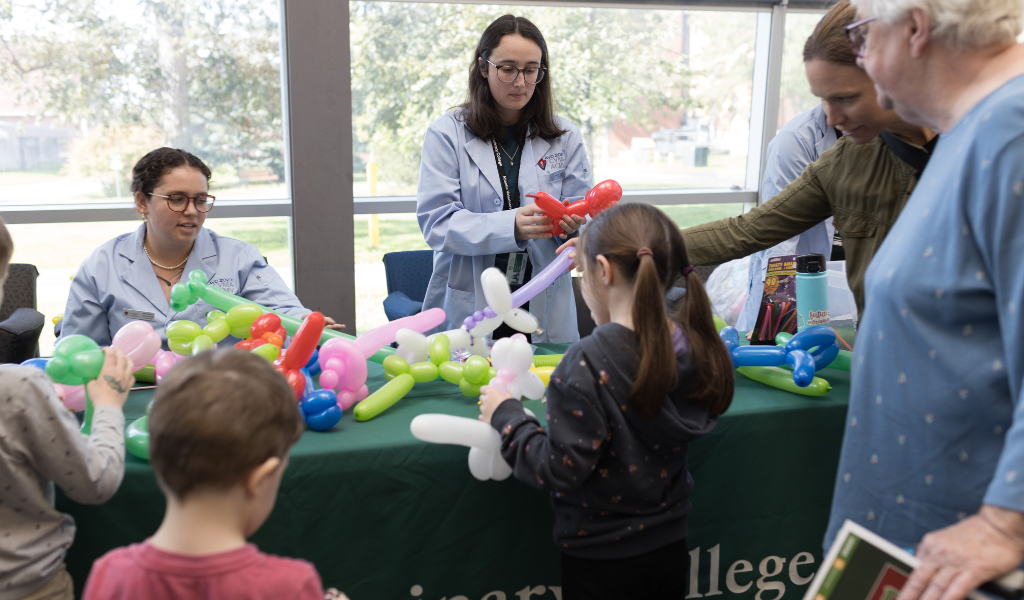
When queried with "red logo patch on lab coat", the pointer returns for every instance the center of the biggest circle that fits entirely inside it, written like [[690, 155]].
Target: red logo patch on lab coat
[[543, 164]]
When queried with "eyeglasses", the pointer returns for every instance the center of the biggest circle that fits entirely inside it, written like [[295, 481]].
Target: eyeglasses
[[179, 202], [508, 73], [856, 33]]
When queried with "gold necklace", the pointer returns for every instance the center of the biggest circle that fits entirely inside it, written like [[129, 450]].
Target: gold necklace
[[511, 159], [160, 265]]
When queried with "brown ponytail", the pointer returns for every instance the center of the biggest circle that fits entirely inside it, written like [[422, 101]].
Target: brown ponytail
[[648, 248]]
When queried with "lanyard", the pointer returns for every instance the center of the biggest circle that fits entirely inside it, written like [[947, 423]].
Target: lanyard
[[501, 175]]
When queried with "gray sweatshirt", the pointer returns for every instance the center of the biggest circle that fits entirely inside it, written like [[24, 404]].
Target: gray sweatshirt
[[40, 445]]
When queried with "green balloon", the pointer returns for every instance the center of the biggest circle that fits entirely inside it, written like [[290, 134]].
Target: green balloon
[[215, 315], [267, 351], [87, 364], [181, 297], [783, 379], [450, 372], [183, 331], [468, 389], [475, 369], [76, 360], [136, 438], [439, 351], [423, 372], [491, 374], [395, 365], [202, 344], [180, 348], [217, 330], [381, 400]]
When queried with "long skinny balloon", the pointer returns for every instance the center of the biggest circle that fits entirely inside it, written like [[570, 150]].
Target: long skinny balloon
[[542, 280]]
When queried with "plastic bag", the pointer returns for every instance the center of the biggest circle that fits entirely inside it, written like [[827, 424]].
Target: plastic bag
[[727, 289]]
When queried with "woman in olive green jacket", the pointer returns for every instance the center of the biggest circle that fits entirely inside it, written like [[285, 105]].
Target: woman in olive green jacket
[[863, 181]]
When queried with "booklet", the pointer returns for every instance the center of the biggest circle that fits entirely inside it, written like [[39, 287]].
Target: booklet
[[861, 565]]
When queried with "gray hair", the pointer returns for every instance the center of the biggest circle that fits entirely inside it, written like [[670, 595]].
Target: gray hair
[[963, 23]]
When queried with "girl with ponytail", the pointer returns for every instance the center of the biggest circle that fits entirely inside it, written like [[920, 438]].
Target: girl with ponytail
[[623, 406]]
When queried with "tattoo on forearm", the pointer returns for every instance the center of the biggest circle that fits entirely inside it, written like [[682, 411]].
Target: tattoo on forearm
[[114, 384]]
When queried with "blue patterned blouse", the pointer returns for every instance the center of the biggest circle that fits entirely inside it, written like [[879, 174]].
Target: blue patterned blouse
[[934, 427]]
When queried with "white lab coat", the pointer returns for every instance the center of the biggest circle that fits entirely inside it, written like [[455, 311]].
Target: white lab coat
[[117, 277], [799, 143], [459, 207]]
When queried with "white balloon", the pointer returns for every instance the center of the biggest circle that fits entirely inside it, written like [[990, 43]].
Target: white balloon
[[457, 338], [501, 354], [520, 320], [532, 386], [449, 429], [485, 327], [520, 357], [479, 347], [514, 390], [481, 463], [496, 291], [499, 468]]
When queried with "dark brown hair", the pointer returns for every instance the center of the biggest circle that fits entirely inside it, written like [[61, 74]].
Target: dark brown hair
[[479, 111], [146, 173], [618, 234], [6, 247], [216, 417], [828, 41]]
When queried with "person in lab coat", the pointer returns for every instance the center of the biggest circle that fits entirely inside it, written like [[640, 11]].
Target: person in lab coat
[[130, 277], [480, 161]]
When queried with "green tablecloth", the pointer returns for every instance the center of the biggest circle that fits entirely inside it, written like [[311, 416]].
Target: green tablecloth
[[379, 512]]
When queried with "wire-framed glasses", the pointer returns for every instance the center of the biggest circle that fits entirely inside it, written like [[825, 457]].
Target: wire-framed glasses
[[179, 202], [508, 74], [856, 33]]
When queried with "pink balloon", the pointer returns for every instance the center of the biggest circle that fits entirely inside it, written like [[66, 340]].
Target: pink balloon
[[138, 341], [347, 399], [164, 361], [72, 395], [329, 379], [372, 341]]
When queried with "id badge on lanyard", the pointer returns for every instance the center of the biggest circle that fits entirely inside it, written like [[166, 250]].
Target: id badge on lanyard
[[515, 272]]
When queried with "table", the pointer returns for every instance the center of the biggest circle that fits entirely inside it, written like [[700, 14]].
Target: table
[[383, 515]]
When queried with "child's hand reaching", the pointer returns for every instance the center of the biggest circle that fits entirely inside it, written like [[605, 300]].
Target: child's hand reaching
[[112, 386], [490, 398]]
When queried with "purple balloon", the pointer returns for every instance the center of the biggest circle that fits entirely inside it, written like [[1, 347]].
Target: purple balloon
[[478, 315], [468, 322], [543, 279], [489, 313]]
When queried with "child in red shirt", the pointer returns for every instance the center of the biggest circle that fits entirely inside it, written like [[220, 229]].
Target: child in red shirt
[[221, 426]]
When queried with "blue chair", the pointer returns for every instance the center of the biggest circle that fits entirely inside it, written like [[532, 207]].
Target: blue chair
[[408, 274]]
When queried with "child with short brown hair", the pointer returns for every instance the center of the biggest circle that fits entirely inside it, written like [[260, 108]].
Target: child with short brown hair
[[221, 426], [40, 444]]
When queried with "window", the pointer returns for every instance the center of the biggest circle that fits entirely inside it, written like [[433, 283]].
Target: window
[[796, 96], [89, 87]]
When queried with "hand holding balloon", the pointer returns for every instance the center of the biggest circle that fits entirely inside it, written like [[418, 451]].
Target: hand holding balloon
[[604, 195], [114, 382], [491, 397]]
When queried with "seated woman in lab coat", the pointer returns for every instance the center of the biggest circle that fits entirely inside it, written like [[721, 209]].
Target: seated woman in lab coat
[[480, 161], [130, 277]]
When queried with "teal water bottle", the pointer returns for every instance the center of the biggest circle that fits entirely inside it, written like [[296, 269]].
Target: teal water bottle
[[811, 291]]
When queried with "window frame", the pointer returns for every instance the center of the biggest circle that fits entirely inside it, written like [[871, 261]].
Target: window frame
[[322, 204]]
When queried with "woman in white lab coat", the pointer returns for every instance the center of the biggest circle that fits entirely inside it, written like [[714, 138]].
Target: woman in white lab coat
[[480, 161], [130, 277]]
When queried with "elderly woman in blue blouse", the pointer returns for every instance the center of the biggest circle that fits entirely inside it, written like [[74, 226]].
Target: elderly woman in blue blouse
[[130, 277], [933, 455]]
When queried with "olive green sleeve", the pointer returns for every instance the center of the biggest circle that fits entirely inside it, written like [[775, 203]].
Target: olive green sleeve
[[801, 205]]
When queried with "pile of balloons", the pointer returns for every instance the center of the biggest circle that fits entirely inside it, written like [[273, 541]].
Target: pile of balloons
[[187, 293], [805, 353]]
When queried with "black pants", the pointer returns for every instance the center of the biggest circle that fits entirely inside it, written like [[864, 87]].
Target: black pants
[[658, 575]]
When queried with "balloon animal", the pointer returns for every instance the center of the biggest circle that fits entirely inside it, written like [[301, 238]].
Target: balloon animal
[[758, 362], [603, 196], [185, 294]]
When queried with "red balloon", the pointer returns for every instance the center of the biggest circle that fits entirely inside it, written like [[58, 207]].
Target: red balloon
[[297, 381], [304, 341], [244, 345], [265, 323], [603, 195]]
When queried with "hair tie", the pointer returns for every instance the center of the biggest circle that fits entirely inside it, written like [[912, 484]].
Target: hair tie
[[687, 270], [643, 251]]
